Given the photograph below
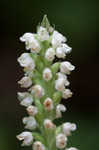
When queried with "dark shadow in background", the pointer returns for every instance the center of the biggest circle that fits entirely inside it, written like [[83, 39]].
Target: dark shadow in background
[[77, 20]]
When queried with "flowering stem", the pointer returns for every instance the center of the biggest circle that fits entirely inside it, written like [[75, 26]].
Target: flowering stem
[[46, 80]]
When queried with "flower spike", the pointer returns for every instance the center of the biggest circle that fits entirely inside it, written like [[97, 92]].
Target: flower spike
[[46, 73]]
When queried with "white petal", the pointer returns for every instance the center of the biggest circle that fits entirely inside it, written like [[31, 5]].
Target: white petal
[[43, 35]]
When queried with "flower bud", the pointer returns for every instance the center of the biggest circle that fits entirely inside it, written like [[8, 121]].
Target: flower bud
[[25, 82], [61, 141], [38, 146], [42, 33], [66, 67], [48, 104], [32, 110], [67, 94], [48, 124], [50, 54], [26, 137], [47, 74]]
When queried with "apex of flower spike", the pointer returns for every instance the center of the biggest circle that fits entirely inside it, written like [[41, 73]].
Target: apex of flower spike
[[46, 24]]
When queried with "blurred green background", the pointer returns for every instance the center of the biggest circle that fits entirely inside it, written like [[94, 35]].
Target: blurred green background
[[77, 20]]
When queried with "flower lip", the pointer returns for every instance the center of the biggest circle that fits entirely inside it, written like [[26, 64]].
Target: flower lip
[[48, 124], [61, 141], [48, 104], [47, 74], [37, 90], [38, 146], [50, 54], [32, 110]]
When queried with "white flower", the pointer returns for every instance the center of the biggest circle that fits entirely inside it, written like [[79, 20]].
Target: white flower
[[27, 137], [67, 94], [60, 84], [57, 39], [68, 127], [47, 74], [25, 82], [50, 54], [38, 91], [48, 124], [25, 98], [59, 109], [64, 77], [72, 148], [61, 141], [32, 110], [31, 42], [38, 146], [26, 37], [60, 52], [66, 67], [27, 101], [48, 104], [42, 33], [66, 48], [26, 61], [30, 123], [22, 95]]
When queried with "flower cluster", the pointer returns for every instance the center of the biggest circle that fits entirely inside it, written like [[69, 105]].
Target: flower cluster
[[46, 82]]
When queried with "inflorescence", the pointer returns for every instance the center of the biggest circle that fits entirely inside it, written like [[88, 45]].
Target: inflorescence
[[46, 80]]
